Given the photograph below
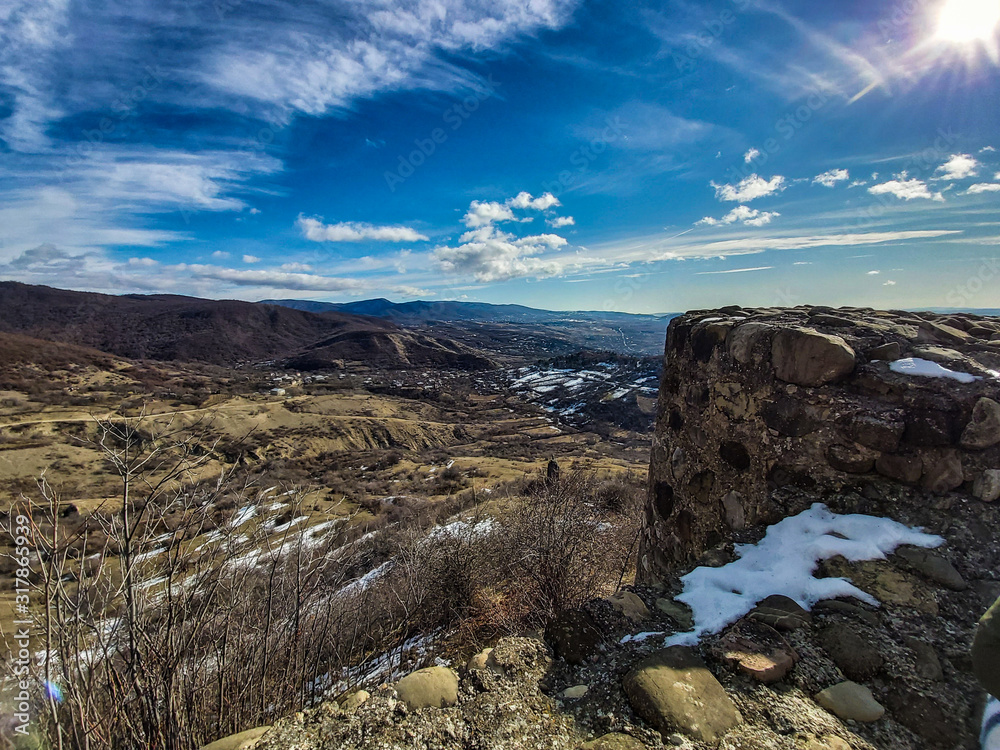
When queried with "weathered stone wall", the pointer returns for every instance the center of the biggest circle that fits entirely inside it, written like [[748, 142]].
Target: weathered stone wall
[[763, 411]]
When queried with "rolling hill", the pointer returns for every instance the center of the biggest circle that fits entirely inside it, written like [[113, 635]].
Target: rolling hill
[[512, 330], [227, 332]]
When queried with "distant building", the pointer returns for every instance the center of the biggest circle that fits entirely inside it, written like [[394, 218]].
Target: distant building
[[277, 391]]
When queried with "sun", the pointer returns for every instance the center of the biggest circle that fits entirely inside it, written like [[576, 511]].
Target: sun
[[968, 20]]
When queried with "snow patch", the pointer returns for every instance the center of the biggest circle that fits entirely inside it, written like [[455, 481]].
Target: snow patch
[[927, 369], [783, 562]]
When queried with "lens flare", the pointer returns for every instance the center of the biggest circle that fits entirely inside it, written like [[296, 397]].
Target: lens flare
[[968, 20]]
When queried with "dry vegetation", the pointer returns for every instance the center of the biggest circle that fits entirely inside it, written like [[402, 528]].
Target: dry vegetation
[[210, 556], [166, 628]]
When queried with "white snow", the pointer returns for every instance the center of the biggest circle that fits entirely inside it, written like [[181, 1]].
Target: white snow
[[243, 515], [783, 562], [360, 584], [927, 369]]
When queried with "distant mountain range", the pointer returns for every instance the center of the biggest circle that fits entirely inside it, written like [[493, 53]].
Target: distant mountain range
[[170, 327], [512, 330]]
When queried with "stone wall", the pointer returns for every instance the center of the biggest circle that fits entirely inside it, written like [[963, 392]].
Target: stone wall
[[764, 411]]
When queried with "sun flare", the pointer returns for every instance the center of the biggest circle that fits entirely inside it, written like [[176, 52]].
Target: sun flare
[[968, 20]]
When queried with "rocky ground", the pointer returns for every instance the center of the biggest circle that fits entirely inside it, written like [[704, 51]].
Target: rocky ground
[[845, 675]]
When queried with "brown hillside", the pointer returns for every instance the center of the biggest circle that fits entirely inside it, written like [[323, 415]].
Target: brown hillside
[[227, 332]]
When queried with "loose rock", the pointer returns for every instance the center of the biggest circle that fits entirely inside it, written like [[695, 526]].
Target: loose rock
[[781, 612], [849, 700], [431, 687], [674, 689]]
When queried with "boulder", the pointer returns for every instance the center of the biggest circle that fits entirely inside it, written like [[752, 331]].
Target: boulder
[[355, 699], [630, 605], [983, 429], [240, 741], [942, 471], [886, 352], [905, 469], [673, 689], [676, 611], [431, 687], [757, 650], [478, 661], [810, 358], [987, 486], [932, 566], [574, 693], [853, 654], [781, 612], [851, 701]]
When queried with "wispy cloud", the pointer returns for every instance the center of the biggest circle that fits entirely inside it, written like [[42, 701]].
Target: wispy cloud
[[314, 229], [561, 221], [734, 270], [984, 187]]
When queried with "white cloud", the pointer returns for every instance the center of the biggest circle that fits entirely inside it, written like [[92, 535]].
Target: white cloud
[[987, 149], [270, 278], [874, 273], [958, 167], [220, 255], [488, 254], [350, 231], [996, 176], [889, 282], [254, 211], [831, 177], [542, 202], [296, 267], [984, 187], [750, 217], [561, 221], [734, 270], [251, 259], [749, 188], [750, 155], [905, 189], [858, 183], [657, 249], [484, 213]]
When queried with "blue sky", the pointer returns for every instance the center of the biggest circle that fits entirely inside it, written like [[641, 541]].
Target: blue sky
[[562, 154]]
